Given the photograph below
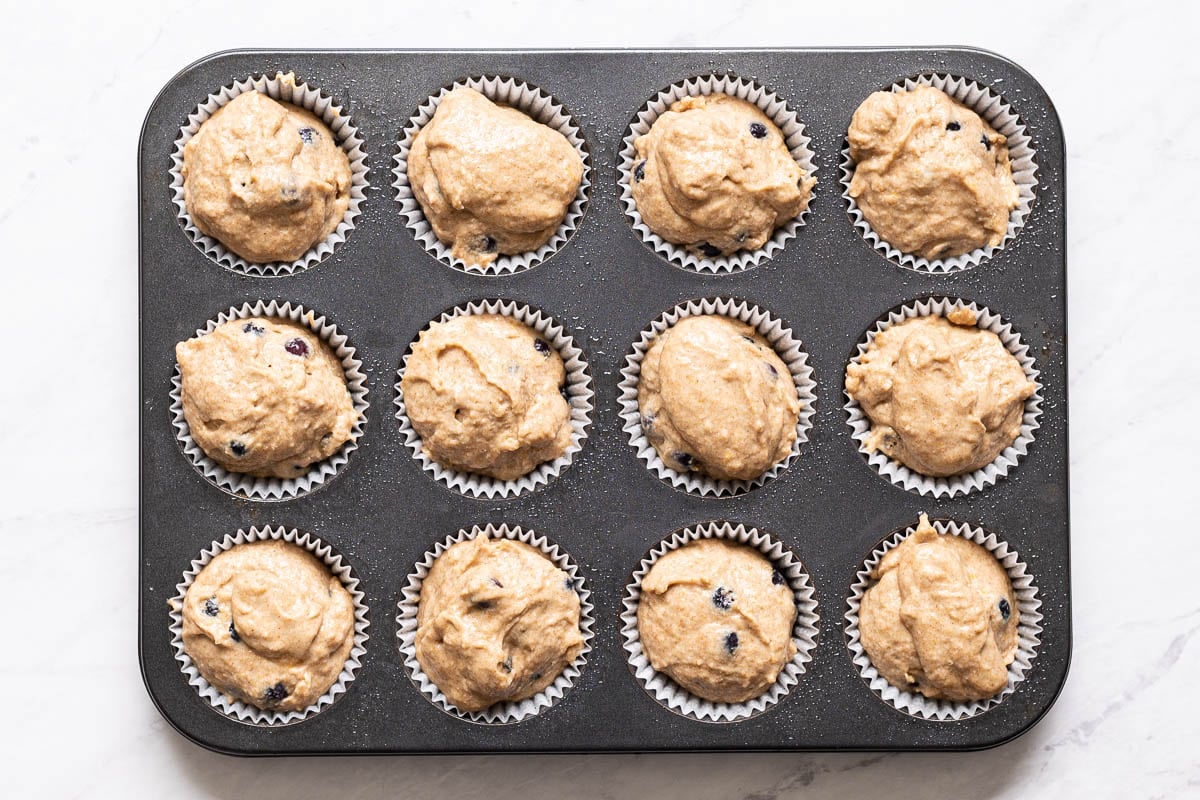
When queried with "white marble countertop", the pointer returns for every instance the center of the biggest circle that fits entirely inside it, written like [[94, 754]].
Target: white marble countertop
[[78, 722]]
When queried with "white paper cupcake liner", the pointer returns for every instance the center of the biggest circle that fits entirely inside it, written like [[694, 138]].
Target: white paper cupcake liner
[[249, 486], [787, 346], [911, 480], [996, 112], [578, 389], [1029, 629], [804, 633], [507, 712], [236, 709], [797, 141], [541, 107], [284, 89]]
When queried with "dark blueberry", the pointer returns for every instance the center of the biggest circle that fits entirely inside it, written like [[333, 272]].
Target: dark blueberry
[[639, 172], [771, 369], [953, 126], [537, 676], [250, 327], [496, 583], [237, 448], [741, 236], [776, 577], [986, 142], [709, 251], [210, 607], [507, 664], [731, 642], [1005, 609], [647, 423], [569, 583], [482, 605], [297, 347], [722, 598], [273, 694], [290, 193], [233, 633], [541, 346], [306, 135], [486, 244], [758, 130], [684, 460]]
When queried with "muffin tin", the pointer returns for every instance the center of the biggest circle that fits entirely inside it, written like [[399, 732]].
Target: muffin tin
[[382, 513]]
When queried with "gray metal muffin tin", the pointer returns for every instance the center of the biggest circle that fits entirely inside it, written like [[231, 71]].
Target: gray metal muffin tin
[[382, 513]]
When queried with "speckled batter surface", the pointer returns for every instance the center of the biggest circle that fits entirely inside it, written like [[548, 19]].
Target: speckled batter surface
[[941, 618], [266, 179], [943, 396], [717, 618], [931, 177], [716, 398], [490, 179], [714, 175], [268, 624], [483, 392], [496, 621]]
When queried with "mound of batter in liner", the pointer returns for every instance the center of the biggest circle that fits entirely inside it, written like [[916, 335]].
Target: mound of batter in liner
[[930, 176], [944, 397], [717, 617], [490, 179], [497, 621], [940, 618], [483, 392], [266, 179], [268, 624], [264, 396], [715, 398], [714, 175]]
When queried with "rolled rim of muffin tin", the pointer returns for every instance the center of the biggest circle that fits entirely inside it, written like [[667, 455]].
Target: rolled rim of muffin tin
[[237, 709], [805, 629], [798, 143], [535, 103], [996, 112], [789, 349], [250, 487], [283, 88], [1029, 629], [578, 388], [967, 482], [508, 712]]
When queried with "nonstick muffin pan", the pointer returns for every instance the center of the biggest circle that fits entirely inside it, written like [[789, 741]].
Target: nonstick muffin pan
[[381, 512]]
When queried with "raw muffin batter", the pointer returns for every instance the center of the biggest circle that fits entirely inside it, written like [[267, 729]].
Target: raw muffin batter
[[714, 175], [266, 179], [490, 179], [264, 396], [941, 618], [496, 622], [482, 390], [944, 397], [930, 176], [266, 623], [717, 399], [717, 617]]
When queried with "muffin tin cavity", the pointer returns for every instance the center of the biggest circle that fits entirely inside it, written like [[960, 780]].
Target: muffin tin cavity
[[671, 695], [787, 346], [776, 109], [996, 112], [608, 506], [541, 107], [966, 483], [577, 391], [283, 88], [500, 713], [255, 488], [1029, 629]]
